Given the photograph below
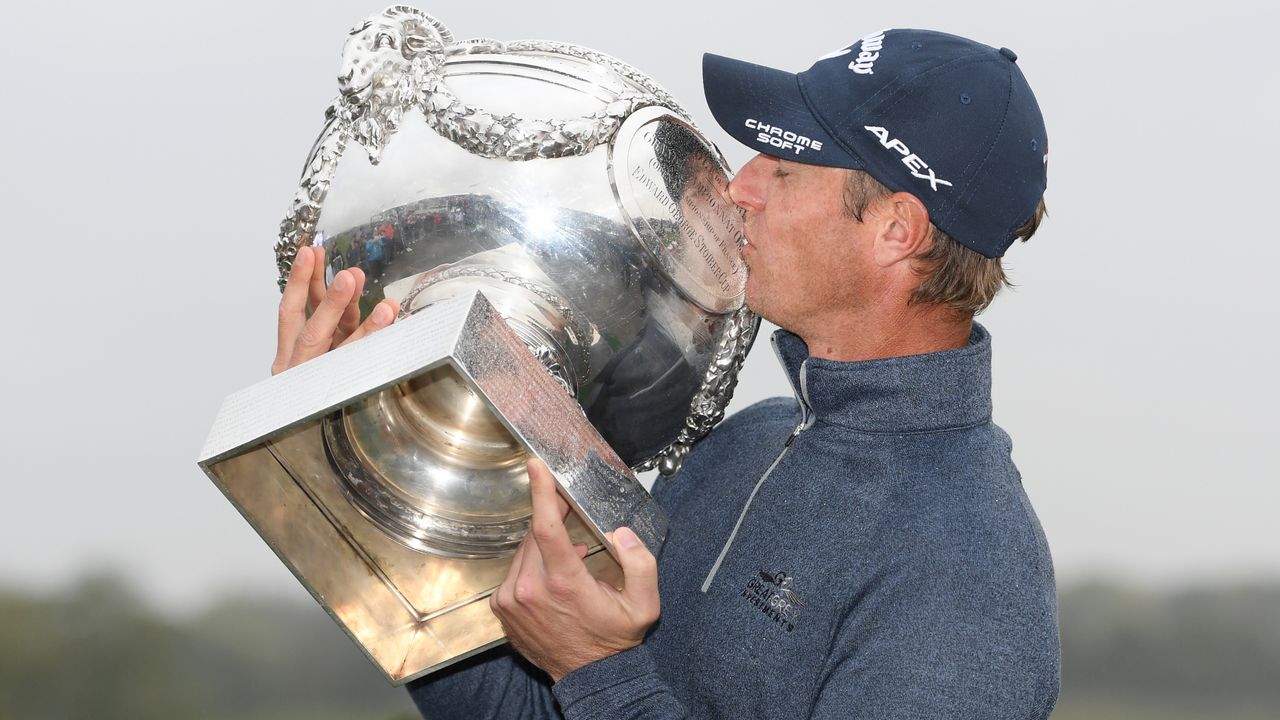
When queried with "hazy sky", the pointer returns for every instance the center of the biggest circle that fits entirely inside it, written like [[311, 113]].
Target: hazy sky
[[151, 149]]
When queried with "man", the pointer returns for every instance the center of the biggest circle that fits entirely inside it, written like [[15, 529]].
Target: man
[[866, 550]]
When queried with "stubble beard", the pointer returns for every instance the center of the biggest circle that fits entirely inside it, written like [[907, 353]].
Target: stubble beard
[[759, 302]]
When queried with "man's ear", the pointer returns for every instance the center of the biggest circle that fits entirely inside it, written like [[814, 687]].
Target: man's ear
[[904, 229]]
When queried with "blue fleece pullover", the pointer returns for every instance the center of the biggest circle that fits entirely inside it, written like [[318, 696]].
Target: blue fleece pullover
[[865, 552]]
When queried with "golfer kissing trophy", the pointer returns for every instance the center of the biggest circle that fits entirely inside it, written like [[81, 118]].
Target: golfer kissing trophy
[[557, 234]]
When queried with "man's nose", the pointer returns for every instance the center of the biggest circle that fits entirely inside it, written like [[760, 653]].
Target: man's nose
[[747, 188]]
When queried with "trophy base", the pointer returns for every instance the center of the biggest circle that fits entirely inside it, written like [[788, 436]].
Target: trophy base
[[412, 610]]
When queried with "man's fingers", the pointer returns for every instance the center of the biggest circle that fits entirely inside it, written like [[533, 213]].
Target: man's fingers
[[350, 319], [547, 481], [547, 526], [517, 561], [293, 309], [533, 571], [384, 313], [317, 335], [315, 288], [639, 572], [504, 594]]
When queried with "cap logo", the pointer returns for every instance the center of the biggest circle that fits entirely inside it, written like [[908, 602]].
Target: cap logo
[[919, 168], [870, 52], [865, 61], [781, 139]]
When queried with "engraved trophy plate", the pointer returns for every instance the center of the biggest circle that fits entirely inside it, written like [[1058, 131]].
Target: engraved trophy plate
[[568, 208], [672, 186]]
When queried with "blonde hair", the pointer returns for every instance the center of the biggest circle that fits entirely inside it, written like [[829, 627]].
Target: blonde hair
[[954, 275]]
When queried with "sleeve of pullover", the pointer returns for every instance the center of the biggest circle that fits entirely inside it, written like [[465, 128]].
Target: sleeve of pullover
[[625, 686], [500, 684], [496, 685]]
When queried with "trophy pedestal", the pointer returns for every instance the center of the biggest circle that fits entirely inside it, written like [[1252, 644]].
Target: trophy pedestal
[[412, 607]]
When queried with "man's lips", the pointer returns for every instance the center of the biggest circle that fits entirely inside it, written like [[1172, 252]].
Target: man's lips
[[745, 248]]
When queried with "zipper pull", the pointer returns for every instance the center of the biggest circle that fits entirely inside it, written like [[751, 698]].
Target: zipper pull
[[794, 434]]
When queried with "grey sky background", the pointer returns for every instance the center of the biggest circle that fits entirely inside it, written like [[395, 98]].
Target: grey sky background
[[151, 149]]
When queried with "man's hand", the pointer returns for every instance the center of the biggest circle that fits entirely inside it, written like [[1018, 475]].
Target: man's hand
[[314, 320], [554, 612]]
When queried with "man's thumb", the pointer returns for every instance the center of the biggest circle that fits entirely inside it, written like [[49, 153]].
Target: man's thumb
[[639, 572]]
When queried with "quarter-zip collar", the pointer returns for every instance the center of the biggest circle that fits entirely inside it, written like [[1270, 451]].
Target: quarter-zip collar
[[915, 393], [799, 381]]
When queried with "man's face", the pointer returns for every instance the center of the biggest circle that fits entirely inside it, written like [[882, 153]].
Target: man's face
[[803, 249]]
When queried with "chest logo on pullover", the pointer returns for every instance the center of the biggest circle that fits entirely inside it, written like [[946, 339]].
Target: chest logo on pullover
[[773, 594]]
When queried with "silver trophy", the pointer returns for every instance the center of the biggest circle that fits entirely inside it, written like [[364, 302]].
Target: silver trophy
[[558, 236]]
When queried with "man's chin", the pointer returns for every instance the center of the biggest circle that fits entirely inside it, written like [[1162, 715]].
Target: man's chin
[[758, 305]]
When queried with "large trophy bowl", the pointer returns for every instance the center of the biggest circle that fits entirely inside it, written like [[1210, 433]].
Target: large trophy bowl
[[558, 236]]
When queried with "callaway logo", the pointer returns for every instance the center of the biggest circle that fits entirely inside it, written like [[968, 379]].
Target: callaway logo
[[772, 594], [781, 139], [910, 159], [864, 63]]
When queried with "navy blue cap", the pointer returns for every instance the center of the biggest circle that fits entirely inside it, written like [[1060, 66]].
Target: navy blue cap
[[947, 119]]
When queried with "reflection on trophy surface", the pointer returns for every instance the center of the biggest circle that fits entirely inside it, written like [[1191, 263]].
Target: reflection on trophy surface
[[580, 200]]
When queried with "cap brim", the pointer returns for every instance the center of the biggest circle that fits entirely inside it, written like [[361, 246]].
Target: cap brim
[[762, 108]]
